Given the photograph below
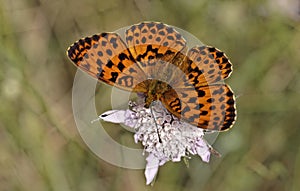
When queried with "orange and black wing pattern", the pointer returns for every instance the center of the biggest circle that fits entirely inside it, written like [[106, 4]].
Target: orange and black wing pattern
[[154, 51]]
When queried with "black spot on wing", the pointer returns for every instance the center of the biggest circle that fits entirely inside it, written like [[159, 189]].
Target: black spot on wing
[[114, 76]]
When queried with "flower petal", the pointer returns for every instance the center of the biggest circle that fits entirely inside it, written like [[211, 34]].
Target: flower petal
[[114, 116], [203, 150], [151, 168], [205, 156]]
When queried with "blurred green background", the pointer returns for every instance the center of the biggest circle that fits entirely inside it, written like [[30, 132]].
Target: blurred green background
[[41, 149]]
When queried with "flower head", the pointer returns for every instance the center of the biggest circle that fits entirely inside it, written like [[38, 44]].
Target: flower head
[[164, 136]]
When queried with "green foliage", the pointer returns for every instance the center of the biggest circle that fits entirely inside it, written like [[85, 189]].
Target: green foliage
[[40, 148]]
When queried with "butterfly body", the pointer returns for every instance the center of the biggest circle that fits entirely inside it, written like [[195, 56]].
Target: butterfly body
[[156, 91]]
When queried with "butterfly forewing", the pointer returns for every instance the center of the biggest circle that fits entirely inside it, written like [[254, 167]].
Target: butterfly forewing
[[107, 58]]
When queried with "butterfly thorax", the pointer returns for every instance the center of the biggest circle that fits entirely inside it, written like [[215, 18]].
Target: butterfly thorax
[[155, 92]]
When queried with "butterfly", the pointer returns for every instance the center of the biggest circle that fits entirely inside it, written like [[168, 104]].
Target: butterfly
[[154, 61]]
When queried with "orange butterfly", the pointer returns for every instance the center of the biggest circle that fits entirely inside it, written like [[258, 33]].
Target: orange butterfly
[[155, 61]]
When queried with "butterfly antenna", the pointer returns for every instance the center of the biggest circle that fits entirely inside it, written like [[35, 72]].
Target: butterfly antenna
[[159, 139]]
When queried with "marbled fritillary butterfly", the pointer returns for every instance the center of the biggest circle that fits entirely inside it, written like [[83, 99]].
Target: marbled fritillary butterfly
[[156, 62]]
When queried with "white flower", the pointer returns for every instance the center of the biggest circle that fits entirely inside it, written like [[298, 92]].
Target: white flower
[[164, 136]]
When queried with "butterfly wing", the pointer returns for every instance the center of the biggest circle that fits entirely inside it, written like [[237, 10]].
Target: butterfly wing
[[207, 65], [200, 96], [209, 107], [155, 46], [107, 58]]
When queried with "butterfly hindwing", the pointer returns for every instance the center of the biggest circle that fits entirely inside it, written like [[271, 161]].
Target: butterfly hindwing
[[207, 65], [155, 46], [210, 107], [149, 40]]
